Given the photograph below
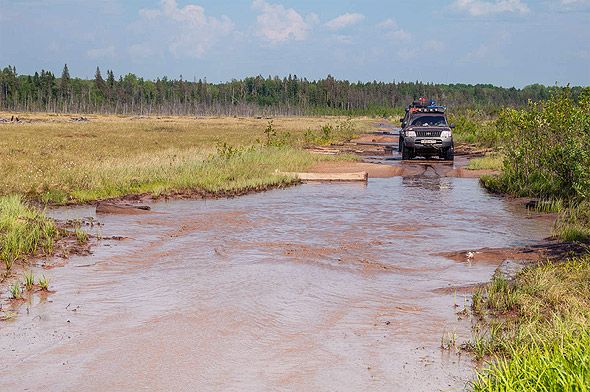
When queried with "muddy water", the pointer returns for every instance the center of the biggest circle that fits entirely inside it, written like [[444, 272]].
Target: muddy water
[[326, 287]]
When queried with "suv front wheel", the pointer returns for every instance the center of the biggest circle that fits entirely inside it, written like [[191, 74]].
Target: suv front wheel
[[449, 154], [406, 153]]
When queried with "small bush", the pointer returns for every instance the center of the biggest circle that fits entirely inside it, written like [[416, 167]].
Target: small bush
[[330, 134]]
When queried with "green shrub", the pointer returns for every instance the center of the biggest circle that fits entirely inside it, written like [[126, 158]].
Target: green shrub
[[474, 126], [547, 148]]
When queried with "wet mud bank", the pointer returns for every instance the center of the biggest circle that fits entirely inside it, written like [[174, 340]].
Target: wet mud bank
[[67, 245], [320, 287]]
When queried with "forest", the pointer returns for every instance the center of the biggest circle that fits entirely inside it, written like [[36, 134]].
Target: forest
[[259, 95]]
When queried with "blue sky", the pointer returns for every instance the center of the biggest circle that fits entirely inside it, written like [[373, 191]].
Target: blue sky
[[504, 42]]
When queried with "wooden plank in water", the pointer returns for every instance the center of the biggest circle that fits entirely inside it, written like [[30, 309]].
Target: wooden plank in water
[[359, 176]]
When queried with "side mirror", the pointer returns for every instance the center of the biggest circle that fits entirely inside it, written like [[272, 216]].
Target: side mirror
[[452, 126], [401, 120]]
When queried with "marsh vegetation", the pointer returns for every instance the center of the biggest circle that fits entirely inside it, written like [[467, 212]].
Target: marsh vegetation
[[24, 231], [108, 157], [533, 331]]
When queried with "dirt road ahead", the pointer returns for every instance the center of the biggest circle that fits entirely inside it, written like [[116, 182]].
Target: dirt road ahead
[[318, 287]]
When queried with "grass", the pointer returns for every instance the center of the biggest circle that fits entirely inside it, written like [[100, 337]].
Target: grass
[[15, 291], [43, 283], [573, 223], [448, 341], [534, 332], [57, 161], [81, 236], [23, 231], [29, 280], [492, 161]]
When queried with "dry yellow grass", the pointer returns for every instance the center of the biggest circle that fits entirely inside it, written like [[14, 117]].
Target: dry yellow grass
[[53, 158]]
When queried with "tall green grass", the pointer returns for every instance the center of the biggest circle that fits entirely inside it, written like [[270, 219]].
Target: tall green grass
[[493, 161], [23, 231], [228, 170], [573, 223], [535, 331], [561, 366]]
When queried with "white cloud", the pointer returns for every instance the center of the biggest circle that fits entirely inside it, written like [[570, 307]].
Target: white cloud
[[388, 24], [187, 31], [98, 53], [345, 20], [400, 35], [312, 19], [277, 24], [483, 8], [394, 32]]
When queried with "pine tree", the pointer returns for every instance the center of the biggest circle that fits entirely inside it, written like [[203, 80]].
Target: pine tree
[[64, 83], [110, 84], [99, 82]]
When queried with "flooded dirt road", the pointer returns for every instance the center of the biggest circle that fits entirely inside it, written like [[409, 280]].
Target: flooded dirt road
[[321, 287]]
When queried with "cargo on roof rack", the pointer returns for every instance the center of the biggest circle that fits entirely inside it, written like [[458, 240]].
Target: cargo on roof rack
[[422, 105]]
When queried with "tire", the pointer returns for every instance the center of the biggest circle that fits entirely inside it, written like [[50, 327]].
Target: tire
[[449, 154], [406, 154]]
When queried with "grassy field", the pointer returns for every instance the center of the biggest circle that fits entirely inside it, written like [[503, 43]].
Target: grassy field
[[534, 331], [54, 159], [492, 161]]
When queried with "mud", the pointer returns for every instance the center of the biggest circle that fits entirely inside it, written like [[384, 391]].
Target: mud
[[122, 208], [316, 287], [497, 255]]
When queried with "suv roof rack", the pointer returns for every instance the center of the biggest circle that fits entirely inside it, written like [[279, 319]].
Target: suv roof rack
[[422, 105]]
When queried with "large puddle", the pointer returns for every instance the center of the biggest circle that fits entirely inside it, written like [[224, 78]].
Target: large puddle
[[318, 287]]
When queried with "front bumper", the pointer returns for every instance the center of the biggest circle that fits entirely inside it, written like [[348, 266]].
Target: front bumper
[[428, 143]]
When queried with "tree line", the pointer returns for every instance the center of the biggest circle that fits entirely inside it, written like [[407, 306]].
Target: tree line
[[130, 94]]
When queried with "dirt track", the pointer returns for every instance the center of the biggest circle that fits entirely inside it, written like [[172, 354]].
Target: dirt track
[[381, 159], [339, 286]]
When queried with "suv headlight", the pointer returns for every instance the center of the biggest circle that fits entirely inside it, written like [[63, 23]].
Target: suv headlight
[[410, 134], [446, 134]]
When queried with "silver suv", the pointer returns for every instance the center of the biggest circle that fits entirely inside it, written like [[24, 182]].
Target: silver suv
[[426, 132]]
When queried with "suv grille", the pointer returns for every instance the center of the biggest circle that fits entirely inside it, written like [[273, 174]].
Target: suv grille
[[428, 133]]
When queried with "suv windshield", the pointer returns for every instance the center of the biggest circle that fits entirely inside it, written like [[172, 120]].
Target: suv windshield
[[430, 121]]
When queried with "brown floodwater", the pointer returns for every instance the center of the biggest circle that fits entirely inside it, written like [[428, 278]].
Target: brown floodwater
[[320, 287]]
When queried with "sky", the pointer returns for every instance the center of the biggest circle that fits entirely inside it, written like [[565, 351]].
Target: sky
[[502, 42]]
